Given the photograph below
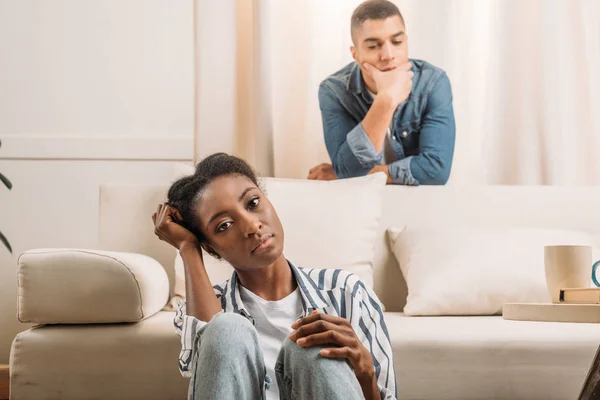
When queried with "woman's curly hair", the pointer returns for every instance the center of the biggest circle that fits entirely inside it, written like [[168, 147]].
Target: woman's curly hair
[[185, 192]]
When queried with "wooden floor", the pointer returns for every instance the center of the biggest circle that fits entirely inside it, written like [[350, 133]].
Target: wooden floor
[[4, 382], [591, 386]]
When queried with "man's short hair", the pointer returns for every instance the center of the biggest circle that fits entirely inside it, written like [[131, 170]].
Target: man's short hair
[[373, 9]]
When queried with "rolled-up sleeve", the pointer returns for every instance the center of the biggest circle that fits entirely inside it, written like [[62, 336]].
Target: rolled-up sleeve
[[187, 327], [350, 149], [401, 173]]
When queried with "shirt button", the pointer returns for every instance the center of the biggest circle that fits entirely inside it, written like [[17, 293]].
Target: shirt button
[[404, 134]]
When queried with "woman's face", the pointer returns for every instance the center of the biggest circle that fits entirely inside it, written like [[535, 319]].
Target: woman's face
[[239, 223]]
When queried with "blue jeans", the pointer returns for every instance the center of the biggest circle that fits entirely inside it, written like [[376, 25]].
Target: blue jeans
[[229, 365]]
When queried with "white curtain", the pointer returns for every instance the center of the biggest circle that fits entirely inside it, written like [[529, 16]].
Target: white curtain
[[524, 74]]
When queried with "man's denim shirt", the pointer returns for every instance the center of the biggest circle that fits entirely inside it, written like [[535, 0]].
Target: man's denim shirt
[[423, 128]]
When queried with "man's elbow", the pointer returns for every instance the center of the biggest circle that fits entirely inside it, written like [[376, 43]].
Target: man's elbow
[[438, 172], [440, 179], [340, 171], [343, 171]]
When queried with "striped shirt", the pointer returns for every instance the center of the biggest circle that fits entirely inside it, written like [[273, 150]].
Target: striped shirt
[[334, 292]]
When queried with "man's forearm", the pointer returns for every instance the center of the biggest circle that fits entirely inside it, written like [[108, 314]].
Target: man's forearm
[[201, 301], [377, 120], [422, 169]]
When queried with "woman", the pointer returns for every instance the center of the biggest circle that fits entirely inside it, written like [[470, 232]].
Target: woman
[[273, 330]]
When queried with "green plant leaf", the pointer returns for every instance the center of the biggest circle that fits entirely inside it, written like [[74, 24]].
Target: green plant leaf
[[6, 181], [4, 240]]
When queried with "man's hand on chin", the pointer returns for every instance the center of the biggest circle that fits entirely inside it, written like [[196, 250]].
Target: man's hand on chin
[[322, 172], [382, 168]]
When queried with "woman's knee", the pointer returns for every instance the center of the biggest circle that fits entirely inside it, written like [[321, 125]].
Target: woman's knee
[[303, 355], [230, 320], [298, 367], [296, 357], [228, 332]]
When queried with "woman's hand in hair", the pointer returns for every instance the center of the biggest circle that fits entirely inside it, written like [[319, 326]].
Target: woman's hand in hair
[[319, 329], [168, 229]]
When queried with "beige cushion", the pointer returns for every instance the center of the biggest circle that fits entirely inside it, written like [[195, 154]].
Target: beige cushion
[[330, 224], [111, 361], [474, 271], [76, 286], [473, 358]]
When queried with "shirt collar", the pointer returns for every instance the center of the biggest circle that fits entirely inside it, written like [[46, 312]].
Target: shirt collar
[[356, 84], [312, 298], [233, 300]]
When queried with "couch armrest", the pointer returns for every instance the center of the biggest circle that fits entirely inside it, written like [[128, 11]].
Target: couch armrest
[[78, 286]]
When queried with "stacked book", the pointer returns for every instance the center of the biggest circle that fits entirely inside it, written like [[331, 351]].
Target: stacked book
[[580, 296]]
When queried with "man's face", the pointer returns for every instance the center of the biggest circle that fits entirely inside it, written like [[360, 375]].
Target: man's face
[[381, 43]]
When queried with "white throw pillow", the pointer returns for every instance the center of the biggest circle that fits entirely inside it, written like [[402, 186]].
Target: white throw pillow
[[327, 224], [474, 271]]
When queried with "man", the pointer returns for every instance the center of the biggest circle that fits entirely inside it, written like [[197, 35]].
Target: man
[[384, 112]]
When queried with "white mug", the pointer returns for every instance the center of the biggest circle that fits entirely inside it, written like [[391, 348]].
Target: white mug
[[568, 267]]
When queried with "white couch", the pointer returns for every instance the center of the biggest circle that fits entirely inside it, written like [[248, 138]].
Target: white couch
[[448, 357]]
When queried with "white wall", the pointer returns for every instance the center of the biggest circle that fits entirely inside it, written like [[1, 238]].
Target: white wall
[[91, 92]]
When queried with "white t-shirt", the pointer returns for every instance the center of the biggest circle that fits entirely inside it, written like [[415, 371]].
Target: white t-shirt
[[273, 321], [389, 154]]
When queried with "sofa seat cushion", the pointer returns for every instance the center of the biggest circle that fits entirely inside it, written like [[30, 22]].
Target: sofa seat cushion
[[107, 361], [488, 357], [434, 358]]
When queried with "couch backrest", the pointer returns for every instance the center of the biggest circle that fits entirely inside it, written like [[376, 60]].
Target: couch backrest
[[125, 223]]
